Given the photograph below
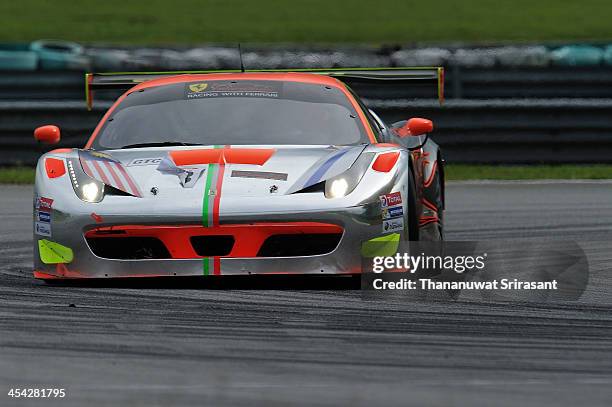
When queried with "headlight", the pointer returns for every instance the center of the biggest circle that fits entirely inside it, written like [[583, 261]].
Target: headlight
[[338, 188], [85, 187], [92, 192], [343, 184]]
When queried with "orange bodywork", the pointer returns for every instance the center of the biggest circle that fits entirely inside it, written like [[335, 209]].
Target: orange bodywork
[[262, 76], [432, 175], [60, 151], [55, 167], [385, 161], [61, 272], [254, 156]]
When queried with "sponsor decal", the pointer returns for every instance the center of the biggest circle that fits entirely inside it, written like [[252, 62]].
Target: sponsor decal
[[43, 217], [144, 161], [198, 87], [393, 225], [44, 204], [42, 229], [231, 89], [393, 212], [391, 199]]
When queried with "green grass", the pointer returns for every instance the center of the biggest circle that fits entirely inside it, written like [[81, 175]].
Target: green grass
[[454, 172], [460, 172], [312, 21], [17, 175]]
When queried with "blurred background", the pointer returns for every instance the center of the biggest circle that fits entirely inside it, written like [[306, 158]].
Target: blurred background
[[527, 82]]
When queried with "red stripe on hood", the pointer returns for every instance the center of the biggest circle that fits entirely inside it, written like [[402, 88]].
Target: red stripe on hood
[[195, 157], [255, 156]]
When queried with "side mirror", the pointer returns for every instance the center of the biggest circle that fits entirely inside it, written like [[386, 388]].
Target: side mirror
[[48, 134], [414, 127]]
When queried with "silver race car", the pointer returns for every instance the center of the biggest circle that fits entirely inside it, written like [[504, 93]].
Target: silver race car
[[235, 173]]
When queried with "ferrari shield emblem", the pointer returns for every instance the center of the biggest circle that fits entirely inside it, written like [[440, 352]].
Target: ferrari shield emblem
[[188, 178], [198, 87]]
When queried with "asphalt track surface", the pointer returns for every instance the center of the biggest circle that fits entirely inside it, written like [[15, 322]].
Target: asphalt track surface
[[277, 347]]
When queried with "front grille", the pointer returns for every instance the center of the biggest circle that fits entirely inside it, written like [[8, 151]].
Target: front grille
[[140, 242], [299, 245], [212, 245], [128, 248]]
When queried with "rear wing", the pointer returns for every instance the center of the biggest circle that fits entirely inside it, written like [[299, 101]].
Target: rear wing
[[126, 80]]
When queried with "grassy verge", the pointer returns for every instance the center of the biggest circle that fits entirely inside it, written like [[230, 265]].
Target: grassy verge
[[300, 21], [454, 172], [17, 175]]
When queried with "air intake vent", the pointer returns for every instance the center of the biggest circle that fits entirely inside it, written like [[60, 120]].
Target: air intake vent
[[209, 246], [299, 245], [128, 248]]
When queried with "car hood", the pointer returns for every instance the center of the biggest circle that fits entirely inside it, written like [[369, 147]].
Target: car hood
[[245, 171]]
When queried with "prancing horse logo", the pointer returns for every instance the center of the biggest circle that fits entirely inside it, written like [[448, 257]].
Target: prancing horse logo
[[198, 87]]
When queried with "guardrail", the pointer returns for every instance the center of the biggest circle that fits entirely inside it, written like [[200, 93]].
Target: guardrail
[[469, 131]]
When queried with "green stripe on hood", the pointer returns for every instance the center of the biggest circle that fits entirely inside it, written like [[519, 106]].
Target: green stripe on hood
[[207, 207]]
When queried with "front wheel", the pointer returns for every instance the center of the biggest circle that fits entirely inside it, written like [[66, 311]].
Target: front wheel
[[413, 221], [432, 222]]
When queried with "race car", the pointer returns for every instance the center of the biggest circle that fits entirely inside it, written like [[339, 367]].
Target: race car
[[236, 173]]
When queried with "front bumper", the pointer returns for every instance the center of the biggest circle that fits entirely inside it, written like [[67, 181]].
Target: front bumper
[[357, 217], [75, 231]]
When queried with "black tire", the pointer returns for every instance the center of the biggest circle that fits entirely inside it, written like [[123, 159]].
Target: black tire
[[413, 222], [440, 201], [434, 231], [438, 234]]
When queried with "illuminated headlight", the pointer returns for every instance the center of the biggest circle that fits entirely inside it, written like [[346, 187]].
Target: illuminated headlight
[[343, 184], [85, 187], [338, 188], [92, 192]]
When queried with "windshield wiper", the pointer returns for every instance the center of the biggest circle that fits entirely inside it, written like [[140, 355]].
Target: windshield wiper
[[160, 144]]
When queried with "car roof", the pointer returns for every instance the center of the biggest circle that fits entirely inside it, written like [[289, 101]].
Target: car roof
[[312, 78]]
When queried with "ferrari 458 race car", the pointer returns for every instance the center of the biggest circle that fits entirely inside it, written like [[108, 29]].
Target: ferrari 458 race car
[[194, 174]]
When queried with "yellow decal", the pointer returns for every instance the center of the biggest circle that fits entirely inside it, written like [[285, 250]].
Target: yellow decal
[[381, 246], [54, 253], [99, 155], [198, 87]]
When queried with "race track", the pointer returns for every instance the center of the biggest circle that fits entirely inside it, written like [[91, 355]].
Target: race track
[[182, 346]]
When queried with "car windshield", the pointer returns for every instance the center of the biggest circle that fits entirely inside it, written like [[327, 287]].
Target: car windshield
[[233, 112]]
